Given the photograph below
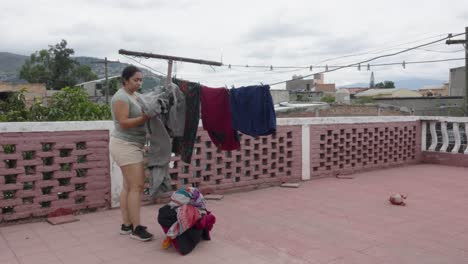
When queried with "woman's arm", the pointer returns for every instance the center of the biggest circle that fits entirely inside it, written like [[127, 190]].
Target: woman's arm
[[121, 112]]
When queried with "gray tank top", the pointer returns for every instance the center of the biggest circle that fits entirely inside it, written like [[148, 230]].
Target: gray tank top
[[136, 134]]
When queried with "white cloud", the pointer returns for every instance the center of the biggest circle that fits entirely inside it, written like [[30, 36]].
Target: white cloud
[[254, 32]]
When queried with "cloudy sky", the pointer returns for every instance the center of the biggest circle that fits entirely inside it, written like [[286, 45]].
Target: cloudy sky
[[252, 32]]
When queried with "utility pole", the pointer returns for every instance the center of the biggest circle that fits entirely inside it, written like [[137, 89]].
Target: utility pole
[[464, 42], [107, 80], [106, 89]]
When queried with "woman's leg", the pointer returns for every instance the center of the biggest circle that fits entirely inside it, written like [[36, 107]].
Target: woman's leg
[[135, 175], [123, 202]]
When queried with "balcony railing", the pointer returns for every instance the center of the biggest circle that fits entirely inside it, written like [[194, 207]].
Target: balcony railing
[[50, 165]]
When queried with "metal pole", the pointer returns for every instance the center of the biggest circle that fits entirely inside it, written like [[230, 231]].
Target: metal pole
[[465, 43], [107, 81], [169, 73], [466, 71]]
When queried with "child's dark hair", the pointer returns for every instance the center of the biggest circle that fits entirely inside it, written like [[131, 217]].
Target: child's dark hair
[[128, 72]]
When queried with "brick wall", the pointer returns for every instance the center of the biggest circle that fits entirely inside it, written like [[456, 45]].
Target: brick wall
[[344, 110], [44, 171], [450, 159], [349, 148], [261, 162]]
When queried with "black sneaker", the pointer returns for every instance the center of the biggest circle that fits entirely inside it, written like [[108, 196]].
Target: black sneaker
[[141, 234], [126, 229]]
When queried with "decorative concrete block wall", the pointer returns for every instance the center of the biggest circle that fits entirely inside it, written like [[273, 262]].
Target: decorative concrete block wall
[[43, 171], [348, 148], [263, 161], [50, 165]]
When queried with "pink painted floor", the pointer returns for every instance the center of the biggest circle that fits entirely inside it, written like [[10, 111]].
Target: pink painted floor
[[324, 221]]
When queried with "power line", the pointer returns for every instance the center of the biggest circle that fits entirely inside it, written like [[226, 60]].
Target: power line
[[272, 67], [441, 51], [144, 65], [377, 51], [378, 57], [416, 62], [337, 66], [330, 68]]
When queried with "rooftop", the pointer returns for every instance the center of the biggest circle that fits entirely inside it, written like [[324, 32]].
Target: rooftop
[[325, 220], [329, 219]]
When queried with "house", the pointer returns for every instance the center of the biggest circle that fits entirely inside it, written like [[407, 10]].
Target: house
[[309, 89], [457, 83], [388, 93], [96, 87], [32, 91], [435, 90], [326, 88], [298, 84], [354, 90]]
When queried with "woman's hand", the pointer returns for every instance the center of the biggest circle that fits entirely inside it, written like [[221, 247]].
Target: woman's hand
[[144, 116]]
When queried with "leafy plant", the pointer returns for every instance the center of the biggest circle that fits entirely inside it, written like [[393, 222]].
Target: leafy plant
[[364, 100], [328, 99], [69, 104], [8, 149], [55, 68]]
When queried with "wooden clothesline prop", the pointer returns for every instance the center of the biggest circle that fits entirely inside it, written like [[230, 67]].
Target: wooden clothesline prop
[[170, 60]]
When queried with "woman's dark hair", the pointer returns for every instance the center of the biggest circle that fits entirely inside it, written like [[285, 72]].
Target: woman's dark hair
[[128, 72]]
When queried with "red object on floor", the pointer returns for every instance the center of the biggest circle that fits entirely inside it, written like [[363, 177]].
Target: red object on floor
[[60, 212]]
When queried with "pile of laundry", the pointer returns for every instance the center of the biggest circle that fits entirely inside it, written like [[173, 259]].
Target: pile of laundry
[[175, 110], [185, 220]]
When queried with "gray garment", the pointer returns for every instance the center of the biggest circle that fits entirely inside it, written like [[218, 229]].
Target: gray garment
[[169, 104], [166, 107], [176, 120], [136, 134], [159, 156], [155, 102]]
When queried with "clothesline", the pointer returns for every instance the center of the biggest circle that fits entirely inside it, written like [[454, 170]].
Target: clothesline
[[170, 59], [357, 64]]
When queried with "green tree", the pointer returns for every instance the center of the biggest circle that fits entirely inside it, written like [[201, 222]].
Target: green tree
[[73, 104], [114, 85], [69, 104], [385, 85], [328, 99], [55, 68], [364, 100], [13, 108]]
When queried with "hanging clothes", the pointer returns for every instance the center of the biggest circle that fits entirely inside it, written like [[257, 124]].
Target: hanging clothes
[[184, 145], [168, 103], [252, 109], [159, 156], [176, 116], [166, 108], [216, 118]]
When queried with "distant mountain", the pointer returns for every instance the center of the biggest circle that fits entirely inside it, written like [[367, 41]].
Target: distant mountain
[[361, 85], [11, 62], [412, 84], [10, 65], [150, 79]]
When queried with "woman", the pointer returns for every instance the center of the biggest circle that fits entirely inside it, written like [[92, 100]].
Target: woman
[[126, 148]]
